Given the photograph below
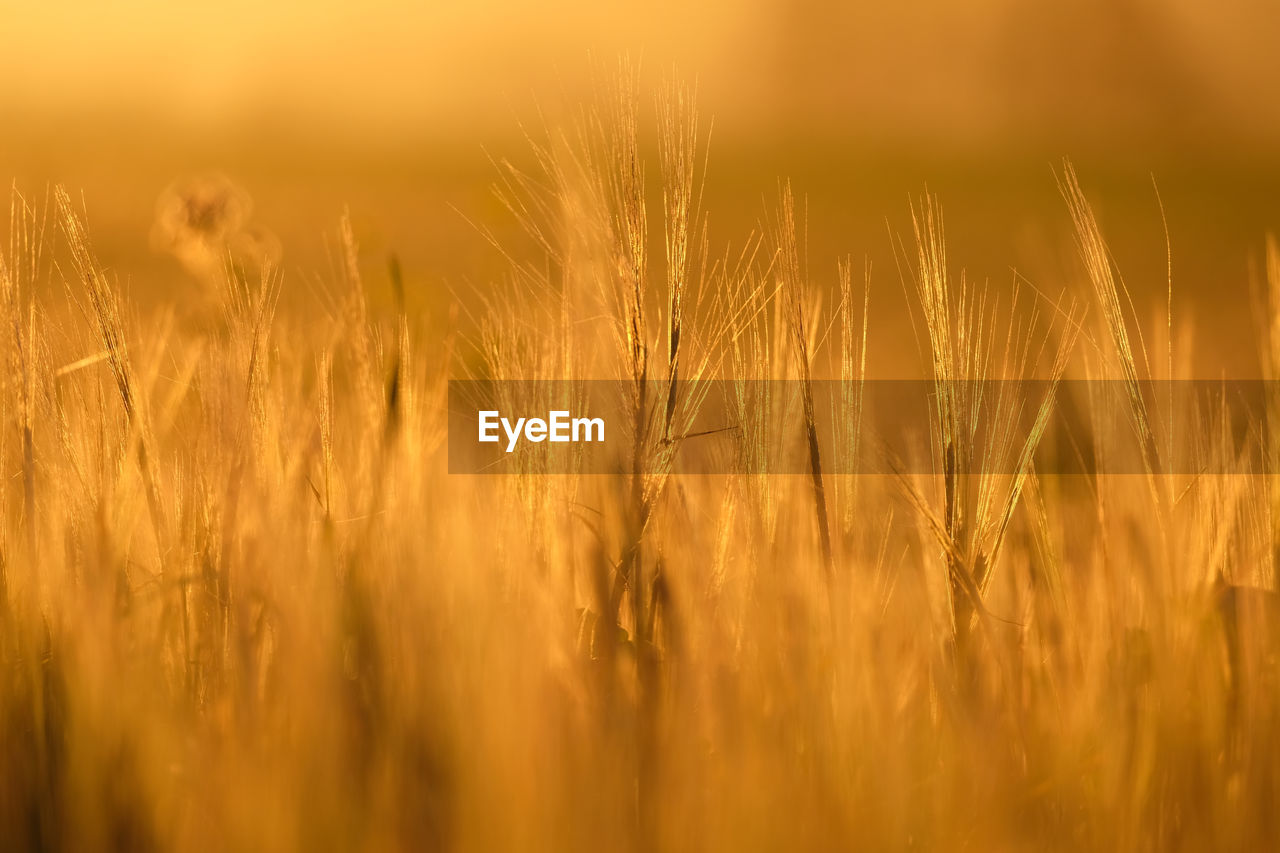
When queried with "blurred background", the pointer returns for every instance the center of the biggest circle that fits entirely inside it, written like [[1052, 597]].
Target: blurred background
[[394, 108]]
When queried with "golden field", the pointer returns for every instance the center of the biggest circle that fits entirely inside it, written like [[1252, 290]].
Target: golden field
[[244, 604]]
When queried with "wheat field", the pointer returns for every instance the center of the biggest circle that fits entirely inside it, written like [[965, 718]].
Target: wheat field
[[244, 604]]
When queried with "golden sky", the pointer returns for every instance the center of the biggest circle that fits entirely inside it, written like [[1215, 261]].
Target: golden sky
[[973, 69]]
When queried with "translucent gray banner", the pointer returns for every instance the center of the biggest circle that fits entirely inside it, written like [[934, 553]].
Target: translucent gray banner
[[873, 427]]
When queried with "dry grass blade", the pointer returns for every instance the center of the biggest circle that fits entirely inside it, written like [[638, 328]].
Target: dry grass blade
[[792, 287], [1110, 290], [105, 310]]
